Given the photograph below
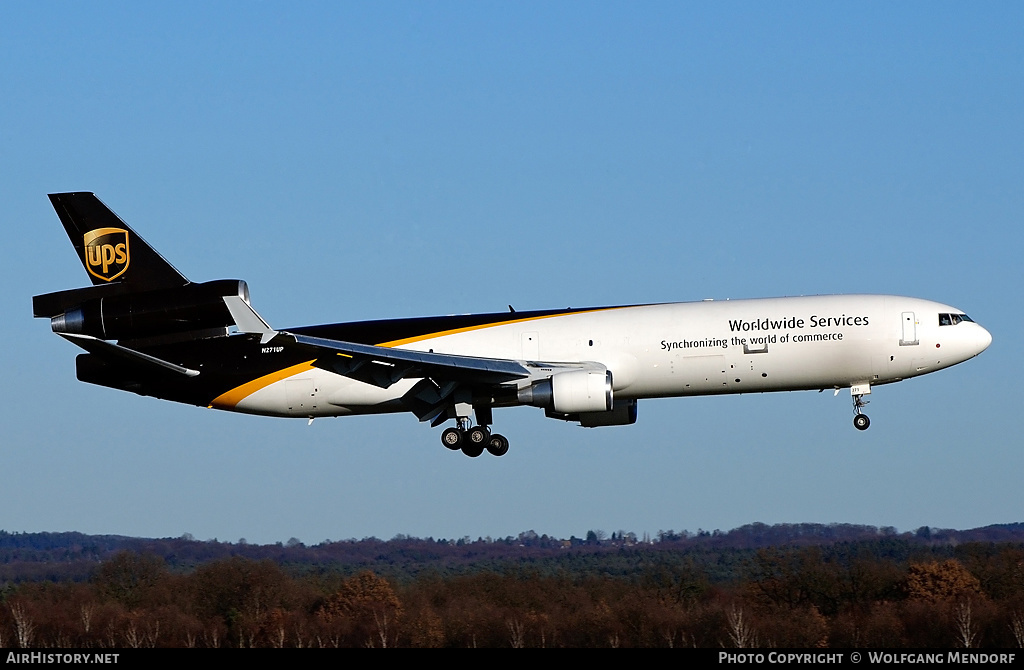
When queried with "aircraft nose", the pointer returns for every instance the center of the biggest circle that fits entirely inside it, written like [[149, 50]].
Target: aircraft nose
[[984, 339]]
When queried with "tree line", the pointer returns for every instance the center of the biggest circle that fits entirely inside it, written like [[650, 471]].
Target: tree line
[[889, 591]]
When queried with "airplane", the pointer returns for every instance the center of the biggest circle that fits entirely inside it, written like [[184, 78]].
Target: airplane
[[149, 330]]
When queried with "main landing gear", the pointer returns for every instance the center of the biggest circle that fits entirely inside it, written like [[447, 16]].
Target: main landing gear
[[860, 421], [473, 441]]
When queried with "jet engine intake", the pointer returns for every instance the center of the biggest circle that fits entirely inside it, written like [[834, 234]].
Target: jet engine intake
[[571, 392]]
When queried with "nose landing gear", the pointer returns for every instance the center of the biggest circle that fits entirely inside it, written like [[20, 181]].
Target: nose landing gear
[[857, 392]]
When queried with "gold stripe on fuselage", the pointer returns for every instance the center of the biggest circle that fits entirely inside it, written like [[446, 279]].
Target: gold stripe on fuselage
[[229, 399], [467, 329]]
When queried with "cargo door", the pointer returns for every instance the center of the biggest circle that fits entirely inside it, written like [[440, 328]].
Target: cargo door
[[909, 334]]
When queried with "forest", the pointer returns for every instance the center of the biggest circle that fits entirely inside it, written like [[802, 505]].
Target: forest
[[782, 586]]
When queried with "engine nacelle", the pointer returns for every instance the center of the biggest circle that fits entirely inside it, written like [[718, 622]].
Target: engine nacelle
[[571, 392], [623, 414], [136, 315]]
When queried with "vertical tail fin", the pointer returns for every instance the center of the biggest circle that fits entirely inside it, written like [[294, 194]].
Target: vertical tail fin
[[110, 251]]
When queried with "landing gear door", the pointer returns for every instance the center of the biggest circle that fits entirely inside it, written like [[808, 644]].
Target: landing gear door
[[301, 396], [909, 333]]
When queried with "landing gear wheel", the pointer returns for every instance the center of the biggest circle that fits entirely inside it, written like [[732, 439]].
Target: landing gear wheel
[[497, 445], [860, 421], [478, 436], [472, 450], [452, 438]]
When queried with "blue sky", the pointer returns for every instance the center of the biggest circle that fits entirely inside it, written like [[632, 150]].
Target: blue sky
[[375, 160]]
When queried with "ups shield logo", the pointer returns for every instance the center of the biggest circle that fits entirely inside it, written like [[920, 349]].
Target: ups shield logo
[[106, 253]]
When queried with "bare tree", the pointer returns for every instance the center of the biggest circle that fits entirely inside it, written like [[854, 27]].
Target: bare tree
[[517, 633], [110, 639], [132, 637], [966, 631], [152, 633], [87, 612], [61, 639], [380, 618], [740, 632], [212, 635], [279, 636], [302, 638], [24, 628], [1017, 626]]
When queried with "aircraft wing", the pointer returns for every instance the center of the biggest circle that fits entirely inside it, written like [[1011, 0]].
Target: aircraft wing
[[380, 366], [441, 375], [383, 366]]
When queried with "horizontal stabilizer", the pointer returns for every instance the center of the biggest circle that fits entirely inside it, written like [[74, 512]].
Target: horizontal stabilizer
[[109, 350]]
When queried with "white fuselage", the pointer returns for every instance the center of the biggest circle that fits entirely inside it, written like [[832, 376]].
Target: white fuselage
[[679, 349]]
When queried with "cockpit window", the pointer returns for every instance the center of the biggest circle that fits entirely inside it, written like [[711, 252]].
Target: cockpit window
[[953, 319]]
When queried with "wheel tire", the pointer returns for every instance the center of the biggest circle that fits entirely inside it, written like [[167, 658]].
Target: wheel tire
[[472, 450], [452, 438], [477, 436], [497, 445], [861, 422]]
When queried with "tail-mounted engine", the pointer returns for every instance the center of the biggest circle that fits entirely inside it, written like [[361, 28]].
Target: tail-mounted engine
[[111, 315]]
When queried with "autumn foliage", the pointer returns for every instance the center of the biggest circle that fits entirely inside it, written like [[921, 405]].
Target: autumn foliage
[[885, 593]]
